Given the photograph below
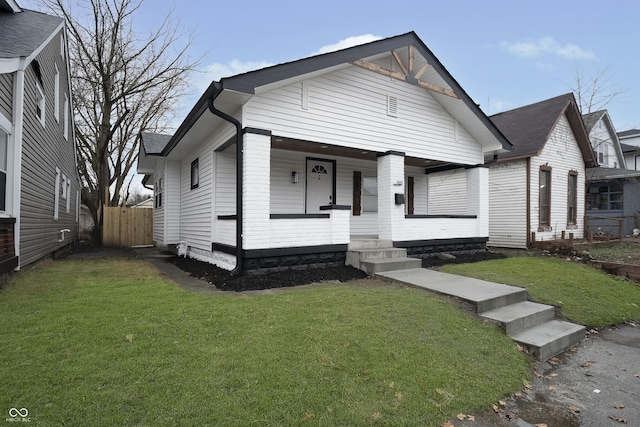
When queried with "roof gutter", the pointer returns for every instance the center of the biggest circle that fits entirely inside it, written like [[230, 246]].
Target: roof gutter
[[239, 176]]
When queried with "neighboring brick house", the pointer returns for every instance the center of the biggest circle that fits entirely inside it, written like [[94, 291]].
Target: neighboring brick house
[[377, 141], [39, 184]]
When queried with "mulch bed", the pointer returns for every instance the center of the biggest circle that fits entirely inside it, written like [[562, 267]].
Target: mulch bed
[[223, 280]]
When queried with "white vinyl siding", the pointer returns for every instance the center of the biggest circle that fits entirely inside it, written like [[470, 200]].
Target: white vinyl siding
[[447, 193], [159, 222], [349, 108], [508, 204], [562, 154]]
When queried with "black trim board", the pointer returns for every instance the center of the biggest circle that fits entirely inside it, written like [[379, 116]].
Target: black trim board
[[8, 264], [298, 216], [438, 242], [262, 253]]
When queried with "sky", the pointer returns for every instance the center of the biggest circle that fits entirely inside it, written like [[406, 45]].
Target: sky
[[504, 54]]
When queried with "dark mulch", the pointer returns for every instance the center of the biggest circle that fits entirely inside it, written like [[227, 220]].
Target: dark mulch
[[223, 280]]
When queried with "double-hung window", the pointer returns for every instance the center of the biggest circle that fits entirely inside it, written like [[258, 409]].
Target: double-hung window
[[572, 198], [544, 201]]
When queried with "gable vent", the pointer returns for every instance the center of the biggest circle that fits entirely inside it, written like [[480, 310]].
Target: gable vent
[[392, 106]]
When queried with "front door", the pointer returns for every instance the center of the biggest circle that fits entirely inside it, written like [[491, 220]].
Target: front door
[[320, 188]]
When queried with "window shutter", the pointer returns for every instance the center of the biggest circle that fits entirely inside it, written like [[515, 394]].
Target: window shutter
[[357, 193], [410, 195]]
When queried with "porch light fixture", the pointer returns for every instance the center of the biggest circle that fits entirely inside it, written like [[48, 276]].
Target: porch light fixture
[[294, 177]]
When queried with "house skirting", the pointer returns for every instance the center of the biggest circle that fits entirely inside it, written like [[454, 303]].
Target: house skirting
[[431, 248], [259, 261]]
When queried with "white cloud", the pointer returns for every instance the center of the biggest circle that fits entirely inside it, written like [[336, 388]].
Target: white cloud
[[545, 46], [348, 42]]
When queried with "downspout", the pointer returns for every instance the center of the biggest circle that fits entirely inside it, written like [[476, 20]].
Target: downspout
[[239, 175], [528, 202]]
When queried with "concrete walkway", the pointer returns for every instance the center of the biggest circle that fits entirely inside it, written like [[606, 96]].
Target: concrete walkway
[[526, 322]]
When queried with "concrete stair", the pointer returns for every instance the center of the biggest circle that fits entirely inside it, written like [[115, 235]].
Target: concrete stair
[[528, 323], [374, 256]]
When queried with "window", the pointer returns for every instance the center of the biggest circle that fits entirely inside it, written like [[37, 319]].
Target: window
[[56, 198], [605, 196], [40, 104], [157, 190], [544, 202], [370, 194], [195, 174], [56, 93], [3, 169], [65, 130], [66, 192], [572, 198]]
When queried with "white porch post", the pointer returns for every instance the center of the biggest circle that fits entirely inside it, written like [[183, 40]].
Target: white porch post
[[390, 183], [256, 190], [478, 198]]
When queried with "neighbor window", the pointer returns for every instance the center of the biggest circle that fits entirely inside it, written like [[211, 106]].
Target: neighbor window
[[605, 196], [65, 131], [56, 93], [3, 170], [56, 198], [545, 197], [195, 174], [370, 194], [40, 103], [572, 198]]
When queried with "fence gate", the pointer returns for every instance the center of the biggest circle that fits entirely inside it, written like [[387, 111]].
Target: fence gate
[[126, 227]]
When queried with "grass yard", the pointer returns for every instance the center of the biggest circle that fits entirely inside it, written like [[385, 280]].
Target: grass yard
[[586, 295], [112, 343]]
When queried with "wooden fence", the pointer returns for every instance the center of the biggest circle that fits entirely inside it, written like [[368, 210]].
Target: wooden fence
[[126, 227]]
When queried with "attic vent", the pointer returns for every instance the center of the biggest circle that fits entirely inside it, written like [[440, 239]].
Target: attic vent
[[392, 106]]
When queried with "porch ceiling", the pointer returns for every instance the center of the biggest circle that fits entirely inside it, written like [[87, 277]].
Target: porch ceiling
[[290, 144]]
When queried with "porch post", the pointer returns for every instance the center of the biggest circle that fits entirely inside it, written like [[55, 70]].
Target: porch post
[[478, 198], [390, 183], [256, 192]]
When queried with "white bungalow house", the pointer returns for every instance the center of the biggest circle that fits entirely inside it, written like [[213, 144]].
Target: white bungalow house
[[537, 190], [289, 164]]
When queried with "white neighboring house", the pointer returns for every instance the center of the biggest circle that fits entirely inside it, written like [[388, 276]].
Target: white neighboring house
[[285, 165], [539, 186], [630, 143], [604, 140]]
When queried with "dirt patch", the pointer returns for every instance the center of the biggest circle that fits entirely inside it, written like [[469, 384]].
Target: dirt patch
[[224, 280]]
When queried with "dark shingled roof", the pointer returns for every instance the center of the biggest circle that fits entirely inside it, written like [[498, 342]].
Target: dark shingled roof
[[529, 127], [591, 119], [628, 148], [154, 143], [23, 32], [630, 132], [602, 173]]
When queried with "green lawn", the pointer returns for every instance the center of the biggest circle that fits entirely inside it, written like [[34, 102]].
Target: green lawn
[[586, 295], [110, 342]]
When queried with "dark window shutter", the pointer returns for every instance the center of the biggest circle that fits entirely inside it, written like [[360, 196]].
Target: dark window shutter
[[410, 195], [357, 193]]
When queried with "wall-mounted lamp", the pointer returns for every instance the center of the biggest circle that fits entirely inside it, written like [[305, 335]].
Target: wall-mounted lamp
[[294, 177]]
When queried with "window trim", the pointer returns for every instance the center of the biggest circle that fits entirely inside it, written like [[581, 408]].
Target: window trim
[[544, 225], [195, 174], [41, 104], [572, 199], [65, 130], [56, 93], [157, 196], [56, 198]]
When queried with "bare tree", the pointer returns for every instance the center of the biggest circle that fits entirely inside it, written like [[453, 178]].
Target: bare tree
[[123, 83], [594, 92]]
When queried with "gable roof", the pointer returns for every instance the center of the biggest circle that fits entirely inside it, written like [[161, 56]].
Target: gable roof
[[590, 119], [629, 133], [628, 148], [529, 127], [23, 34], [236, 90]]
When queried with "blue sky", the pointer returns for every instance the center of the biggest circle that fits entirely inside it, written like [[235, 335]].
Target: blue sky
[[505, 54]]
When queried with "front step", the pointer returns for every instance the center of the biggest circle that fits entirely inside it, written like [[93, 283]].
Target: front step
[[378, 265], [519, 316], [550, 338]]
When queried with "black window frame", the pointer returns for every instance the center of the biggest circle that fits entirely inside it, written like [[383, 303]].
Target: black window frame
[[195, 174]]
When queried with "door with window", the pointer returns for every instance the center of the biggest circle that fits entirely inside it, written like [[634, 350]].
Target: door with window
[[320, 184]]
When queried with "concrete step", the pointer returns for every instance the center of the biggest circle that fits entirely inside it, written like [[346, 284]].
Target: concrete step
[[354, 258], [519, 316], [550, 338], [376, 265], [484, 295], [357, 244]]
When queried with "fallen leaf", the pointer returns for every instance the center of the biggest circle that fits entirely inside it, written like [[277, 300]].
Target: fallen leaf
[[471, 417], [130, 337], [637, 375], [554, 374], [586, 363], [502, 403], [618, 406], [593, 331], [621, 368], [526, 384], [376, 416], [554, 361], [495, 408], [517, 394], [448, 424], [575, 409], [618, 419], [538, 375], [461, 417], [541, 425], [553, 388]]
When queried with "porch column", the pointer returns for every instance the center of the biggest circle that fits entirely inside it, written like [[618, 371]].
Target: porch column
[[478, 198], [256, 192], [390, 183]]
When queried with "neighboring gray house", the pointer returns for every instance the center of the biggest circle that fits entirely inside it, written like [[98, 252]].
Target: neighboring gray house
[[539, 186], [630, 143], [39, 184], [604, 140], [292, 164]]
